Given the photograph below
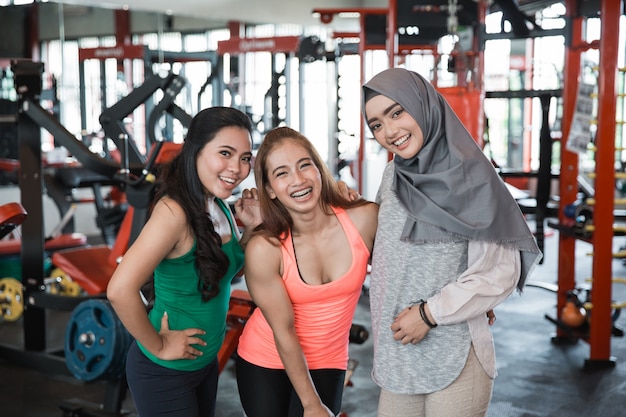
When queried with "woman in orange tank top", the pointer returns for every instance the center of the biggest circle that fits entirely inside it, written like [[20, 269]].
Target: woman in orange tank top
[[304, 268]]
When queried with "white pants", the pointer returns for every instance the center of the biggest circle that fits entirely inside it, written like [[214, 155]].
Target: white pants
[[468, 396]]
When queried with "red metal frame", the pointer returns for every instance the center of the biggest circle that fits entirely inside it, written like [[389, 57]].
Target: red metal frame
[[568, 179], [237, 45], [120, 52], [392, 24], [601, 321]]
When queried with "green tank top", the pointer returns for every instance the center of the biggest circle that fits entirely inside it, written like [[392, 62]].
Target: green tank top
[[176, 291]]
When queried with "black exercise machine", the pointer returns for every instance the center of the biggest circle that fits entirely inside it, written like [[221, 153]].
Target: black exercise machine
[[60, 181], [35, 352]]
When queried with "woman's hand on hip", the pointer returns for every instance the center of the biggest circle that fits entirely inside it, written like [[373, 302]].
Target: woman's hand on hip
[[178, 344]]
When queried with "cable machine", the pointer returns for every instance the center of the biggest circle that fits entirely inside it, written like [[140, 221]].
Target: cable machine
[[281, 102], [171, 86], [600, 321], [278, 98], [465, 98]]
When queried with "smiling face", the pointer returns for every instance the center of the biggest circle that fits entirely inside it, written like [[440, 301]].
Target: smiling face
[[393, 127], [224, 162], [294, 179]]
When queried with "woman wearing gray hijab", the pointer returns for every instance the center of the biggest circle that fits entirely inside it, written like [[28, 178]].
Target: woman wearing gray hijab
[[451, 245]]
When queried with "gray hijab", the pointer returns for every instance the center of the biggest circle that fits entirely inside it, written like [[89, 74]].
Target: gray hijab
[[450, 189]]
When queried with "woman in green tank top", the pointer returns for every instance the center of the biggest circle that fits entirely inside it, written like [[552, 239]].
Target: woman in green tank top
[[192, 248]]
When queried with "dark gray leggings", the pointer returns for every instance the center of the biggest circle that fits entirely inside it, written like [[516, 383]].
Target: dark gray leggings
[[159, 391], [268, 392]]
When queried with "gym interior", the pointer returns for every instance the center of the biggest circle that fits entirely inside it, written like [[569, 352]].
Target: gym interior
[[94, 96]]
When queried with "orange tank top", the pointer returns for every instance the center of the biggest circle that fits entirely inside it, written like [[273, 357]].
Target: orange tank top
[[323, 313]]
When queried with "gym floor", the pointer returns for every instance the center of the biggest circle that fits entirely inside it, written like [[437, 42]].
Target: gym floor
[[536, 376]]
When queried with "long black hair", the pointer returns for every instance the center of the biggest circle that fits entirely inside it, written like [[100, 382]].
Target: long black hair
[[179, 181]]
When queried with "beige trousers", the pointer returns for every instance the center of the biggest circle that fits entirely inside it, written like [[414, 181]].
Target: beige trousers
[[468, 396]]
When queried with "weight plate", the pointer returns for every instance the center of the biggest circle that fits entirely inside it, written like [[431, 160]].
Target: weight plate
[[63, 284], [11, 299], [96, 342]]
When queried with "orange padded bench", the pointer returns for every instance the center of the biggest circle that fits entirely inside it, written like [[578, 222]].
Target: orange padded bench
[[92, 266], [64, 241], [11, 216]]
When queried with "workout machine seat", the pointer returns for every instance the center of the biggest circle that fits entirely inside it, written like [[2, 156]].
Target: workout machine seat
[[94, 259], [9, 165], [92, 266], [11, 216], [64, 241]]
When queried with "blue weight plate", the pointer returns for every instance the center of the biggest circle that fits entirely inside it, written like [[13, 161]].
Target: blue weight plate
[[95, 341]]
